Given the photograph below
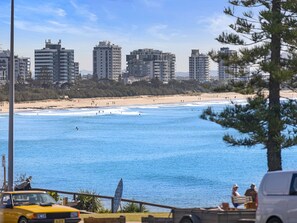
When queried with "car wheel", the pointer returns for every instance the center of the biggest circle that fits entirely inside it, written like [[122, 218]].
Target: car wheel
[[23, 220], [186, 220], [274, 220]]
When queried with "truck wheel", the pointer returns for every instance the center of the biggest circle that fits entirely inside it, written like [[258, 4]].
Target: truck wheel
[[23, 220], [190, 219], [274, 220]]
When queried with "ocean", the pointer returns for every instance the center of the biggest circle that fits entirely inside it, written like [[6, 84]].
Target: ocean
[[165, 154]]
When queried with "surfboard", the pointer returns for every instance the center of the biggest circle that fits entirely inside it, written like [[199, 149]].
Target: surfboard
[[117, 196]]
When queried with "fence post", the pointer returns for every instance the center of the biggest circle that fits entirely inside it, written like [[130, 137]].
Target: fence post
[[112, 205], [141, 207], [93, 203]]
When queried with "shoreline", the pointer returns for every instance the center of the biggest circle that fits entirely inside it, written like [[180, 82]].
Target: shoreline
[[129, 101]]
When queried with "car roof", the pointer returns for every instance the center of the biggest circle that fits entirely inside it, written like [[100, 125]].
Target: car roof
[[24, 192], [282, 171]]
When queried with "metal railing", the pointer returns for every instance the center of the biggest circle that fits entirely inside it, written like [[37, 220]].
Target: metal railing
[[75, 194]]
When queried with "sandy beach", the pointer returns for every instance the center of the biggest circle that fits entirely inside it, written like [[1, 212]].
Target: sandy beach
[[128, 101]]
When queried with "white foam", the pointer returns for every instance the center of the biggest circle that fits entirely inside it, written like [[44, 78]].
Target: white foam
[[127, 110], [80, 112]]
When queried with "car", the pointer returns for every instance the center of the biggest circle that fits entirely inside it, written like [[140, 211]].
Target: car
[[34, 207], [277, 198]]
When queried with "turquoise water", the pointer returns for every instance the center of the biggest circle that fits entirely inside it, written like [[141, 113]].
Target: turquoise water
[[165, 154]]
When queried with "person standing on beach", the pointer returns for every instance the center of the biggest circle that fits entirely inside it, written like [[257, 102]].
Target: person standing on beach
[[235, 193]]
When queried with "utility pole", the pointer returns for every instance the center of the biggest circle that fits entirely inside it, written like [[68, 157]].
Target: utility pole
[[4, 187], [11, 103]]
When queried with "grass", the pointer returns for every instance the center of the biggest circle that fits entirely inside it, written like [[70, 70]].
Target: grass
[[130, 217]]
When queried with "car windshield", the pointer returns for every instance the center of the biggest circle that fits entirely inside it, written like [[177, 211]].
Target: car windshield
[[32, 199]]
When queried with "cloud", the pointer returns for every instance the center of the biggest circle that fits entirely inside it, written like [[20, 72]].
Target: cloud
[[49, 27], [216, 24], [162, 32], [57, 24], [44, 9], [152, 3], [157, 31], [83, 11], [28, 26], [60, 12], [109, 14], [55, 27]]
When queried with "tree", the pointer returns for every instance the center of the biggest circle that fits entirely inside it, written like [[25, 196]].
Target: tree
[[266, 30], [45, 78]]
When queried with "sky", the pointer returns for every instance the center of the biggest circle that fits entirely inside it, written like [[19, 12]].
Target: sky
[[175, 26]]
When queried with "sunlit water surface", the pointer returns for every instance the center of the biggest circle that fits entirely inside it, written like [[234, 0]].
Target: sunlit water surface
[[165, 154]]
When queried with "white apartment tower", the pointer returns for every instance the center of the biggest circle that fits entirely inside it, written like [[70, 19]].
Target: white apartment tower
[[107, 61], [226, 71], [54, 63], [151, 64], [199, 66]]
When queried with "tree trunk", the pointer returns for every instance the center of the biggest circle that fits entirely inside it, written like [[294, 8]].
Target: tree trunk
[[274, 117]]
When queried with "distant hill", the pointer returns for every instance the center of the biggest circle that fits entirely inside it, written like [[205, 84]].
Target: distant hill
[[182, 75], [179, 75], [85, 72], [185, 75]]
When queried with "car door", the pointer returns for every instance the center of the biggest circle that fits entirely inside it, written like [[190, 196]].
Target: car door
[[292, 201], [6, 210]]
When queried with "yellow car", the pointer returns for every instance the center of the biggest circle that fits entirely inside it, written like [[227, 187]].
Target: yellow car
[[34, 207]]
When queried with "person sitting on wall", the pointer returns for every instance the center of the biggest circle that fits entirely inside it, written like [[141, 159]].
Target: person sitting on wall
[[252, 192], [235, 193]]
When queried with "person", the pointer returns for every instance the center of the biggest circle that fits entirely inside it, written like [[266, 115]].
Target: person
[[235, 193], [252, 192]]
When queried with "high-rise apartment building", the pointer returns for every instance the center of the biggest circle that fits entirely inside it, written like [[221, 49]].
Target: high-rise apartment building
[[233, 71], [22, 67], [226, 73], [199, 66], [107, 61], [76, 70], [152, 64], [54, 63]]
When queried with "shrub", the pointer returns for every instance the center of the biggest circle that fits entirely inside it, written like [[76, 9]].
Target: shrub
[[131, 207], [90, 203], [55, 195]]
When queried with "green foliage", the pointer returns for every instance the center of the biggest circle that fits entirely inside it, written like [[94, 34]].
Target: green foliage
[[131, 207], [267, 32], [252, 120], [55, 195], [89, 203], [89, 88]]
